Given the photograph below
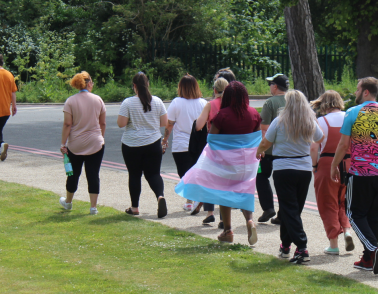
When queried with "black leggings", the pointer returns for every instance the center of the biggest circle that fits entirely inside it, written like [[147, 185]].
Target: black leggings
[[92, 164], [146, 160], [3, 121]]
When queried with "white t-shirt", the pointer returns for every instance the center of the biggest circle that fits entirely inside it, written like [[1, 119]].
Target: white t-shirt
[[334, 119], [183, 112], [143, 128]]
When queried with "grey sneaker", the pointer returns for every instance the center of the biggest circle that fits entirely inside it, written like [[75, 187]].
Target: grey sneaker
[[93, 210], [62, 202], [3, 151]]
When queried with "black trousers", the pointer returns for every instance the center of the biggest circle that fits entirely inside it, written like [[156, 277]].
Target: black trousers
[[184, 161], [143, 160], [264, 190], [92, 164], [3, 121], [292, 187], [361, 207]]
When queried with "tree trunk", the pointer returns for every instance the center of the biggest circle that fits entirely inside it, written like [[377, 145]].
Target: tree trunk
[[303, 55], [367, 51]]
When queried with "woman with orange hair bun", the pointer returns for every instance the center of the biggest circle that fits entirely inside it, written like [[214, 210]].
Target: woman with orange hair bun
[[83, 138]]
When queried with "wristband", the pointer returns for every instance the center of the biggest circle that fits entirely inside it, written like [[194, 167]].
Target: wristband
[[315, 166], [63, 145]]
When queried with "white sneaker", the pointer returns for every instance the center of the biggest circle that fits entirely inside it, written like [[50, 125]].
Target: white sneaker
[[62, 202], [188, 206], [3, 151], [93, 210]]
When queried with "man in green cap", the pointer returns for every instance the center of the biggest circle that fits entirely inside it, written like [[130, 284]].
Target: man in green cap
[[279, 85]]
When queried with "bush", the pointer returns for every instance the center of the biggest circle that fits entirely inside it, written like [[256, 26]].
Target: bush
[[170, 70]]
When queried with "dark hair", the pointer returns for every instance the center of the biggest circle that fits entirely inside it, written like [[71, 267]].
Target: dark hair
[[283, 89], [1, 60], [370, 84], [227, 75], [141, 82], [188, 87], [235, 96]]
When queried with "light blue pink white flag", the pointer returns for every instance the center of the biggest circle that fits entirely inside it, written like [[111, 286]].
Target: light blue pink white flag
[[225, 173]]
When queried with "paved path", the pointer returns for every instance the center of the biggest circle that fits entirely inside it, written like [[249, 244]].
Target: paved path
[[41, 171]]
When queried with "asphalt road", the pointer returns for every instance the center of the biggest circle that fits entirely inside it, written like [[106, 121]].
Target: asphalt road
[[40, 127]]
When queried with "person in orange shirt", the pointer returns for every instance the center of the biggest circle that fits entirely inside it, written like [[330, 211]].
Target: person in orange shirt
[[8, 90]]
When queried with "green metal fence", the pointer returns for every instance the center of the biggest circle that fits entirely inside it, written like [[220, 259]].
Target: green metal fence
[[206, 59]]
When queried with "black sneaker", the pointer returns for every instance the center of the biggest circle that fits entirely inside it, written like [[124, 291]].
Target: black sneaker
[[267, 214], [209, 219], [300, 256], [284, 252], [375, 262], [275, 221]]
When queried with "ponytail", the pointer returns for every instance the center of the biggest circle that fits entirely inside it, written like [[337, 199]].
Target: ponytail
[[140, 80]]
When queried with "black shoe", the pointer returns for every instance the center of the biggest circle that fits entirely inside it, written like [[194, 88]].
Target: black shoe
[[267, 214], [196, 208], [221, 225], [209, 219], [284, 252], [300, 256], [275, 221]]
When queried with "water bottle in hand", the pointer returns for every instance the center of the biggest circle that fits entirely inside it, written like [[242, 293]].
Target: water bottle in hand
[[68, 166]]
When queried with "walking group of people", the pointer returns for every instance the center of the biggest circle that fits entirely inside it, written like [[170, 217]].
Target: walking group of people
[[218, 145]]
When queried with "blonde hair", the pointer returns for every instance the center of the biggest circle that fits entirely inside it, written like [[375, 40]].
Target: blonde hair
[[219, 85], [80, 80], [297, 117], [330, 99]]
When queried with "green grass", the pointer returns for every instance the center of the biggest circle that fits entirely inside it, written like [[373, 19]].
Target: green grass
[[45, 249]]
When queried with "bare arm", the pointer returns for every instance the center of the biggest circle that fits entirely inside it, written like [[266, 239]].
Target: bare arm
[[202, 119], [102, 121], [341, 150], [67, 124], [167, 133], [264, 128], [314, 155], [264, 145], [122, 121], [164, 120], [14, 105]]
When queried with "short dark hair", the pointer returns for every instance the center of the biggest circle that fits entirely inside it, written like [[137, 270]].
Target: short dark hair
[[370, 84], [225, 73], [1, 60]]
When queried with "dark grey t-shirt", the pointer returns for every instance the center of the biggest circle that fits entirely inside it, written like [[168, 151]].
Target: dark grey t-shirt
[[283, 147], [270, 110]]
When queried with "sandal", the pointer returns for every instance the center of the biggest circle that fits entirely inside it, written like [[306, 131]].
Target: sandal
[[252, 233], [162, 208], [130, 211]]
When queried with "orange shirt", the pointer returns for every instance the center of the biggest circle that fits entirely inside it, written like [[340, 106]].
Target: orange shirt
[[7, 87]]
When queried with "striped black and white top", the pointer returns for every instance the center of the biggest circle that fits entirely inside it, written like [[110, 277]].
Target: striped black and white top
[[143, 128]]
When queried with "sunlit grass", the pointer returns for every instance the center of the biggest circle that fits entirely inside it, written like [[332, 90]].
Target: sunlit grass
[[45, 249]]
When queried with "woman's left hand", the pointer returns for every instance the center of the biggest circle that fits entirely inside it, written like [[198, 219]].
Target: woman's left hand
[[63, 149], [260, 155]]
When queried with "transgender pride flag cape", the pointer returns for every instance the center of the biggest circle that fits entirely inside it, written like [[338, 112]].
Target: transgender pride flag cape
[[225, 173]]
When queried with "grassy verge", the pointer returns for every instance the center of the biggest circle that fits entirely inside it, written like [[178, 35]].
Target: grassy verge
[[44, 249]]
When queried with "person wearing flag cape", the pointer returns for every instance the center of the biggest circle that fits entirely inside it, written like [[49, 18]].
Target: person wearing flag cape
[[225, 173]]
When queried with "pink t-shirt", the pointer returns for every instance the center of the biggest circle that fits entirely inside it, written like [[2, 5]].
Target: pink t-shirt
[[85, 137]]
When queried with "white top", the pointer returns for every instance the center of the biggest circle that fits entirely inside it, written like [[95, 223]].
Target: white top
[[184, 112], [334, 119], [143, 128]]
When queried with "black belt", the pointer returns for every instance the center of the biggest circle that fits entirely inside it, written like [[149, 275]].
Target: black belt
[[333, 155], [342, 167], [282, 157]]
